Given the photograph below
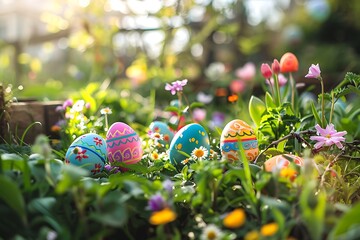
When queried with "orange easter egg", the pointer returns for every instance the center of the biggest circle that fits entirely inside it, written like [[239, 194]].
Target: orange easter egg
[[282, 161], [234, 133]]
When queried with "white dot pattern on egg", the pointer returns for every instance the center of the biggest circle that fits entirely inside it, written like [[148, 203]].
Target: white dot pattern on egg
[[186, 140]]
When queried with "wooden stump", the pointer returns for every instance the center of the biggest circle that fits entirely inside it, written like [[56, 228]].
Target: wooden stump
[[23, 114]]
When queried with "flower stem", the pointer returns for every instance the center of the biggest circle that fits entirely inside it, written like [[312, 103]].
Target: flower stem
[[322, 103], [106, 123], [293, 89], [277, 89], [271, 87], [332, 106]]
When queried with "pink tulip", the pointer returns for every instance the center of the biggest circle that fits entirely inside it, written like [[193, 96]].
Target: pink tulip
[[266, 70]]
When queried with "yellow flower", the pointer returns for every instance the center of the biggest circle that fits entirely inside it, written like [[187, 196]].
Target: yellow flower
[[269, 229], [162, 217], [252, 235], [235, 219], [288, 173], [155, 155]]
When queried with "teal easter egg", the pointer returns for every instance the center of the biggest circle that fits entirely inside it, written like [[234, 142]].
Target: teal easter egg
[[186, 140], [163, 129], [89, 152]]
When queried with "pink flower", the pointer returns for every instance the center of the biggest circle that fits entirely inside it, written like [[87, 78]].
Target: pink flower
[[328, 136], [275, 66], [247, 72], [266, 70], [176, 86], [59, 109], [237, 86], [67, 103], [281, 78], [314, 71], [199, 114]]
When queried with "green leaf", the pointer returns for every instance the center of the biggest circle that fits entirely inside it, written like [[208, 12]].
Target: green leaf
[[11, 157], [256, 109], [112, 211], [196, 105], [346, 223], [71, 177], [42, 205], [269, 101], [313, 209], [262, 181], [26, 131], [11, 195], [171, 109], [273, 152]]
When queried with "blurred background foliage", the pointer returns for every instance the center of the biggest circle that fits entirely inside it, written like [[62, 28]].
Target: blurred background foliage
[[141, 44]]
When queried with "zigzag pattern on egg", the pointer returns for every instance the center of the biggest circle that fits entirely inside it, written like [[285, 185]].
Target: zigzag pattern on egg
[[117, 132], [90, 154], [122, 140], [91, 148], [123, 144], [234, 146], [240, 134]]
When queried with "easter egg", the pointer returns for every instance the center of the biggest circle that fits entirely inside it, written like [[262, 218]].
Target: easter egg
[[123, 144], [190, 137], [282, 161], [87, 151], [163, 129], [234, 132]]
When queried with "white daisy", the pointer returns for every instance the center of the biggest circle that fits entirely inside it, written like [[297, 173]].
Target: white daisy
[[105, 111], [79, 106], [156, 136], [199, 153], [211, 232]]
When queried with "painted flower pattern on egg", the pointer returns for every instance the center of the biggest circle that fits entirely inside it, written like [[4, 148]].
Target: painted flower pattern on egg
[[235, 132], [87, 151]]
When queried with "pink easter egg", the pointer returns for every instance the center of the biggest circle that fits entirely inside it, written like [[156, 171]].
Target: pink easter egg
[[123, 144]]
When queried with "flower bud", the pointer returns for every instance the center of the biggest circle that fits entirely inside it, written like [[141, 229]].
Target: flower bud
[[275, 66], [266, 70], [289, 63]]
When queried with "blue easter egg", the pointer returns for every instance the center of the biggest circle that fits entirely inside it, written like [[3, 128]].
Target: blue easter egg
[[163, 129], [190, 137], [89, 152]]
